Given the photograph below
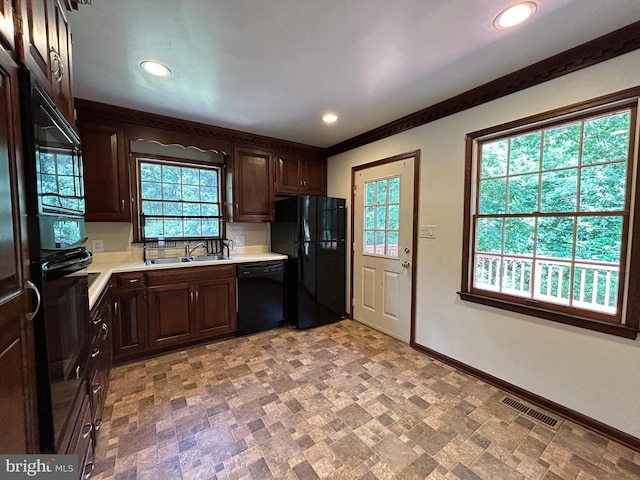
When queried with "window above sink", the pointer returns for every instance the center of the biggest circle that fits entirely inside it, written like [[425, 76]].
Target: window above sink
[[177, 200]]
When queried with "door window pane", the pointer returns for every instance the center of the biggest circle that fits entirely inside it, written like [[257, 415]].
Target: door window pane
[[381, 217]]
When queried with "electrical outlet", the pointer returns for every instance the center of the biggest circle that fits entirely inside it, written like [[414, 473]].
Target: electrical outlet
[[428, 231], [239, 240], [97, 246]]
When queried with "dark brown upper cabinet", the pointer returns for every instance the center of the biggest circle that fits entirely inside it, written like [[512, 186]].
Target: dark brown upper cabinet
[[45, 49], [251, 196], [105, 173], [295, 175], [7, 29]]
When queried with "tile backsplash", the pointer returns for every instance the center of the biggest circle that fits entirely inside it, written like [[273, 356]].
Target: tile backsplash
[[117, 237]]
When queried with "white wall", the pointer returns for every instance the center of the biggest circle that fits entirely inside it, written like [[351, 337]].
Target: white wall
[[592, 373]]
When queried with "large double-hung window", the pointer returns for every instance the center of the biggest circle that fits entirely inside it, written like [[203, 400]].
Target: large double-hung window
[[178, 200], [549, 216]]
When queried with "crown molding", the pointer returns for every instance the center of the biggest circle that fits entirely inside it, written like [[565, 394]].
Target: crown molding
[[606, 47], [88, 109]]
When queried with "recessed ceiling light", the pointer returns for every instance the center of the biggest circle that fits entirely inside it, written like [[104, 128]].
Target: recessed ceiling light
[[515, 15], [155, 68], [329, 117]]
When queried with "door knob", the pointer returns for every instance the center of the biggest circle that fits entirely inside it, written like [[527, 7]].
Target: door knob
[[406, 264], [407, 250]]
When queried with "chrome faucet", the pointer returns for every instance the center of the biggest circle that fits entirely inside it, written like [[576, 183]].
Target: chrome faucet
[[189, 249]]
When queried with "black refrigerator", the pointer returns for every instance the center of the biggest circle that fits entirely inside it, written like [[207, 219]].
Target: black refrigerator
[[310, 230]]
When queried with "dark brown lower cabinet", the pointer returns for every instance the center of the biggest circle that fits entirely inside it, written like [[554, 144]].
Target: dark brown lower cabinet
[[169, 309], [101, 356], [162, 309], [14, 406], [129, 316], [190, 304], [215, 309]]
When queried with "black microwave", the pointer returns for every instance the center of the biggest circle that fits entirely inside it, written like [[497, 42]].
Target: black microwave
[[54, 173]]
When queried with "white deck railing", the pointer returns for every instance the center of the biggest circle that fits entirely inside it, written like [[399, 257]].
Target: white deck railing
[[595, 287]]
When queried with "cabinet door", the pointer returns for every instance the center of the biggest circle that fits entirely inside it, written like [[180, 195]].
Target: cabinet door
[[215, 312], [105, 173], [13, 386], [169, 314], [7, 33], [17, 414], [288, 175], [60, 58], [129, 322], [314, 178], [36, 15], [253, 186]]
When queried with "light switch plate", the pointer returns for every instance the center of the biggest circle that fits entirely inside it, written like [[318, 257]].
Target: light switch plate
[[97, 246], [240, 240], [428, 231]]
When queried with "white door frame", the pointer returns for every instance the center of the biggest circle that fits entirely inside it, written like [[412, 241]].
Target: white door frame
[[414, 254]]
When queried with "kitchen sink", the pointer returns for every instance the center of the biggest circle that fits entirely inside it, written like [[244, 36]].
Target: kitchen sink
[[163, 261], [208, 258], [201, 258]]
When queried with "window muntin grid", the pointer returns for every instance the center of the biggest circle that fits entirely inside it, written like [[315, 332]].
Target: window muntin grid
[[179, 200], [552, 205], [381, 217]]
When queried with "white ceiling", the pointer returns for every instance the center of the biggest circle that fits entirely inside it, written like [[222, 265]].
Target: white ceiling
[[273, 67]]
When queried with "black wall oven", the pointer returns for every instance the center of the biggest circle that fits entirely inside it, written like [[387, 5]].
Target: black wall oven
[[55, 208], [63, 340]]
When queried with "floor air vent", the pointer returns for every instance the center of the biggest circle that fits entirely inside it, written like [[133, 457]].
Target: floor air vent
[[531, 412]]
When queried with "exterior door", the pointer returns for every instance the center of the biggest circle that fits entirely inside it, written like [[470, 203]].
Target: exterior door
[[383, 245]]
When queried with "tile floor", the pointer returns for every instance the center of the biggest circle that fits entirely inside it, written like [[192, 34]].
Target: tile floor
[[341, 402]]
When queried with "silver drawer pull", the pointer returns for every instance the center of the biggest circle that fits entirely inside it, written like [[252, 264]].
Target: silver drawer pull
[[88, 470], [96, 388], [95, 353], [96, 321], [97, 424], [86, 430], [132, 280], [105, 329]]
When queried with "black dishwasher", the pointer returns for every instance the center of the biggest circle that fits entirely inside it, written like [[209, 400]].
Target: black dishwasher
[[260, 296]]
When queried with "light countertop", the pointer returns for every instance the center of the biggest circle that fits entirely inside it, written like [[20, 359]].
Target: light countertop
[[106, 268]]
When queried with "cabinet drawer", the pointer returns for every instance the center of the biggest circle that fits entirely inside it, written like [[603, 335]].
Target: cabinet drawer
[[129, 280], [82, 436], [164, 277]]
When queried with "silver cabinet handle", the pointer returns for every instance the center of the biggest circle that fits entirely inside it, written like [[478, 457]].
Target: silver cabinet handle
[[122, 205], [105, 329], [191, 296], [95, 353], [197, 296], [96, 321], [60, 72], [132, 280], [115, 307], [31, 286], [96, 388], [86, 430], [97, 424], [88, 470]]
